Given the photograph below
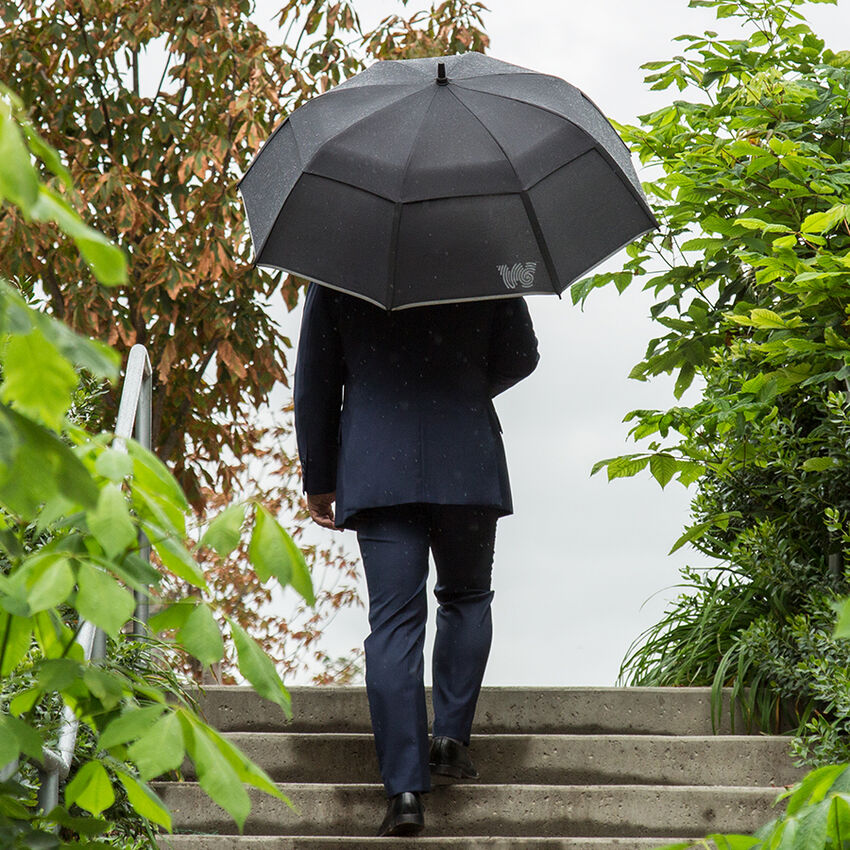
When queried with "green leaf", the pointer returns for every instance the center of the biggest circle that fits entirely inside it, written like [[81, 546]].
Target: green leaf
[[24, 701], [133, 570], [18, 178], [101, 600], [160, 749], [696, 531], [626, 466], [819, 464], [752, 223], [842, 627], [110, 522], [838, 823], [155, 476], [246, 770], [259, 669], [94, 356], [48, 155], [762, 318], [59, 468], [215, 774], [785, 241], [54, 638], [690, 471], [685, 379], [173, 616], [267, 550], [273, 551], [107, 261], [15, 638], [812, 825], [58, 674], [114, 465], [44, 580], [225, 531], [90, 789], [201, 636], [37, 380], [132, 723], [16, 737], [663, 467], [143, 799], [734, 842], [86, 827], [820, 222], [814, 787], [174, 555], [109, 688]]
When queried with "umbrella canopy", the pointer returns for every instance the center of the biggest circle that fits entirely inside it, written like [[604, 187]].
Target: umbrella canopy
[[455, 178]]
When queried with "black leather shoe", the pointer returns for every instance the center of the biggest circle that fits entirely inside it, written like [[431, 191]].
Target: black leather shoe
[[405, 815], [450, 761]]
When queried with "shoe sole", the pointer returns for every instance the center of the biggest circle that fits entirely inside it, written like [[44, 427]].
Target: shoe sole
[[406, 825], [448, 774]]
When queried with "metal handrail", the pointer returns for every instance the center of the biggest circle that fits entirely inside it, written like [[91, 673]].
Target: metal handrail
[[134, 417]]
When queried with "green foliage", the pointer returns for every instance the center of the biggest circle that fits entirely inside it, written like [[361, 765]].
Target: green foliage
[[72, 508], [753, 293]]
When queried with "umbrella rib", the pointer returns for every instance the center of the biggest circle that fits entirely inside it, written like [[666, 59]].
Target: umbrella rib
[[306, 163], [598, 144], [359, 121], [530, 212], [397, 209]]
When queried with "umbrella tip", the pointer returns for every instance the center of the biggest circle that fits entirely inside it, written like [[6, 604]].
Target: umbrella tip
[[442, 80]]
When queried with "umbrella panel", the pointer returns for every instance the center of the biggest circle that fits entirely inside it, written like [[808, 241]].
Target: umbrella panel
[[268, 181], [494, 238], [576, 206], [535, 140], [331, 232]]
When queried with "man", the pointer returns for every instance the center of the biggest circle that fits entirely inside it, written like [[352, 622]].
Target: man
[[395, 424]]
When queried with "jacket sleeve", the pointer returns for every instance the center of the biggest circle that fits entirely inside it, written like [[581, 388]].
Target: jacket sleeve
[[317, 392], [513, 345]]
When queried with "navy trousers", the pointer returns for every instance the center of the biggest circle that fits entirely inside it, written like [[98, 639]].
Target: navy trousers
[[394, 545]]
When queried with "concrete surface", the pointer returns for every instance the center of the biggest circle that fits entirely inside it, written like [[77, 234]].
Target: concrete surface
[[646, 711], [539, 759], [498, 810]]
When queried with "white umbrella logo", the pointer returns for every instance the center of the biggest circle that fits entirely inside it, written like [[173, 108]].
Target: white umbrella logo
[[521, 274]]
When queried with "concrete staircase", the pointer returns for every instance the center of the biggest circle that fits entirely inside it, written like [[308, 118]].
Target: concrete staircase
[[579, 768]]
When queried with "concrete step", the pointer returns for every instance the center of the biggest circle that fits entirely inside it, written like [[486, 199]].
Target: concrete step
[[540, 759], [332, 842], [498, 810], [502, 710]]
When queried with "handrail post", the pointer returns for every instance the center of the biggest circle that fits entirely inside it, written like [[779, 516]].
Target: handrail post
[[134, 416], [142, 433]]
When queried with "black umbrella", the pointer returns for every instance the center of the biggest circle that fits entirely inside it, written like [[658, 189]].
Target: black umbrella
[[426, 180]]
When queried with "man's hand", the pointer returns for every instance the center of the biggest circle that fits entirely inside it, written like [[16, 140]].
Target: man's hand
[[321, 508]]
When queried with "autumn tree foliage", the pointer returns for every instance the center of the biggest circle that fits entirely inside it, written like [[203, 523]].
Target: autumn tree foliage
[[158, 108], [157, 172]]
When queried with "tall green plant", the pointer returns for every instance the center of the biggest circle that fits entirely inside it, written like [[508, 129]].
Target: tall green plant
[[754, 196], [72, 506]]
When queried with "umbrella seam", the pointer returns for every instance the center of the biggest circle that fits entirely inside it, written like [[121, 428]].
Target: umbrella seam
[[398, 207], [560, 115], [283, 203], [262, 147], [360, 121], [304, 164], [551, 77], [530, 212]]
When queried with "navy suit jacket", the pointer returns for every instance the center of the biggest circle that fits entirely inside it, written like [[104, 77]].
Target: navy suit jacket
[[395, 407]]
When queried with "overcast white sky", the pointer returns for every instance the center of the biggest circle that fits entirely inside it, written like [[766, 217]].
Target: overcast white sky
[[578, 560]]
